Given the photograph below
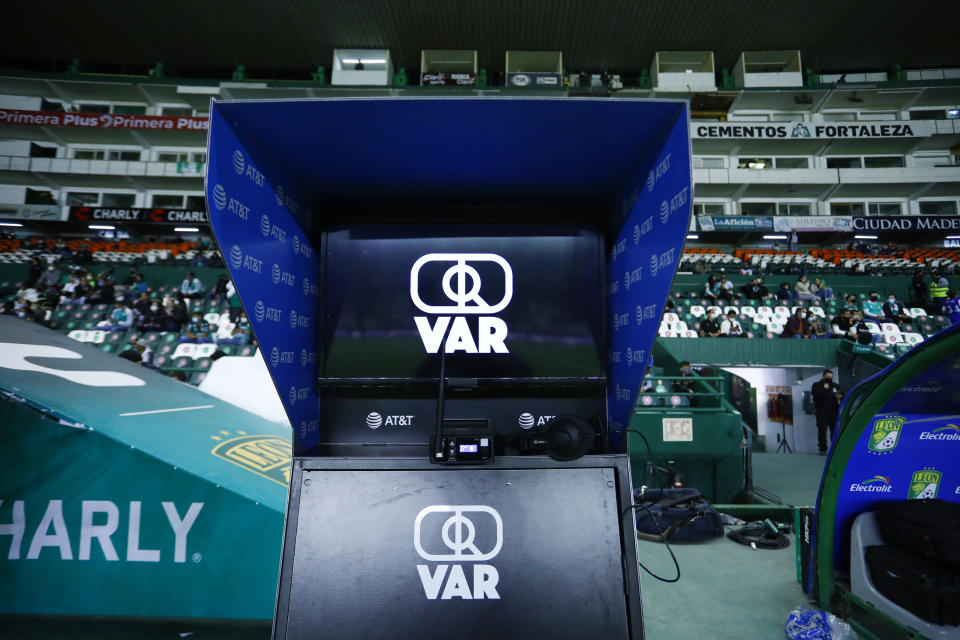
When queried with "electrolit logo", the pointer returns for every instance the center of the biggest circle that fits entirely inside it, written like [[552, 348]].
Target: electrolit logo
[[876, 484], [949, 432], [219, 197]]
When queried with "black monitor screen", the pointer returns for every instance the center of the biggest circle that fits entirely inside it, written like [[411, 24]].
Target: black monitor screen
[[501, 302]]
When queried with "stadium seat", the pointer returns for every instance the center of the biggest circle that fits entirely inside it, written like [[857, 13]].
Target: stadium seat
[[249, 350], [689, 334], [917, 312], [671, 318], [161, 361], [698, 311], [747, 311], [181, 363], [912, 338], [197, 377]]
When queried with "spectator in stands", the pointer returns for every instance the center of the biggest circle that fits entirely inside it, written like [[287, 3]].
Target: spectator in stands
[[240, 333], [141, 305], [820, 289], [952, 306], [191, 287], [173, 316], [784, 293], [33, 274], [49, 278], [131, 277], [197, 330], [794, 241], [709, 328], [937, 291], [121, 318], [684, 386], [873, 308], [802, 289], [843, 325], [711, 289], [918, 290], [153, 318], [797, 326], [864, 335], [219, 291], [826, 402], [893, 311], [817, 330], [850, 302], [136, 288], [725, 288], [730, 328], [751, 290], [103, 292], [700, 266]]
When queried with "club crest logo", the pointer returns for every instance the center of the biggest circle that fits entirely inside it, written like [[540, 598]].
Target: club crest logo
[[924, 484], [886, 434]]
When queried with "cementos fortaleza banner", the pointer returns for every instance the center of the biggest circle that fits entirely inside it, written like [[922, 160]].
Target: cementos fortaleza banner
[[799, 130], [103, 120]]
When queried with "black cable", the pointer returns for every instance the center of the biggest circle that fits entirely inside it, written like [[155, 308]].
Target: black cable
[[662, 536], [760, 535], [656, 470]]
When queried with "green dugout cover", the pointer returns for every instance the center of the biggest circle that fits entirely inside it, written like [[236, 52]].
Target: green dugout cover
[[124, 492]]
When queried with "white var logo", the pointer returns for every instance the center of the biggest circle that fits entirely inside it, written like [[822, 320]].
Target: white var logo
[[52, 531], [462, 285], [457, 526]]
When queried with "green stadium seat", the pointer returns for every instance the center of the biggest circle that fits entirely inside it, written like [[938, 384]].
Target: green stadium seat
[[109, 348], [169, 337], [151, 338], [85, 307], [203, 363], [182, 363], [60, 314], [101, 307], [115, 337], [197, 377], [161, 361], [228, 349], [165, 349], [247, 350]]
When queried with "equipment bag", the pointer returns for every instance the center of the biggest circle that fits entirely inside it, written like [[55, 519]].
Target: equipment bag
[[676, 515], [923, 587], [927, 528]]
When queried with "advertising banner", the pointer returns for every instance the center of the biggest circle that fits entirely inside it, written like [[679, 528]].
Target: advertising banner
[[447, 78], [139, 215], [817, 130], [812, 223], [735, 223], [643, 261], [30, 211], [910, 224], [103, 120], [140, 494], [533, 79], [253, 206]]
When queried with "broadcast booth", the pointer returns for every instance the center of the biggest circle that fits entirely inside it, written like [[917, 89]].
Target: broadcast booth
[[458, 304]]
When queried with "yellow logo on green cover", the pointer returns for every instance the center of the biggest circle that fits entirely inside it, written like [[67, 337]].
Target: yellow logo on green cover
[[886, 434], [924, 484], [267, 456]]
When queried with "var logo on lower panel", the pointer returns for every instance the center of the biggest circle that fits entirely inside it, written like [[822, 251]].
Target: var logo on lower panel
[[455, 534]]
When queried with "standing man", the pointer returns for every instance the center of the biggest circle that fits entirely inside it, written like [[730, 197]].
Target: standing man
[[826, 401], [938, 290], [952, 306]]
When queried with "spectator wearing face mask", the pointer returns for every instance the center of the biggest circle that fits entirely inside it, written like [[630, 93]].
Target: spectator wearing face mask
[[730, 327], [893, 311], [850, 302], [873, 308], [240, 334], [196, 331], [784, 294], [49, 278], [142, 304], [684, 386], [709, 328], [817, 330], [152, 319], [121, 318], [797, 326], [826, 401], [820, 289]]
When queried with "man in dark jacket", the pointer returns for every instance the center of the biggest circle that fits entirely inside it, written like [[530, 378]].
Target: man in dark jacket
[[826, 402]]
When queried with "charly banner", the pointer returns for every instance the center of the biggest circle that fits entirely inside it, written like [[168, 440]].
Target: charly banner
[[276, 269], [909, 451], [641, 266]]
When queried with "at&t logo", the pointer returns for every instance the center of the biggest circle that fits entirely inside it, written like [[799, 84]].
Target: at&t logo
[[658, 172], [664, 212], [462, 285], [307, 357], [300, 248], [654, 265], [238, 162], [262, 312], [265, 225], [271, 230], [458, 534], [278, 357], [375, 420], [529, 421], [236, 256], [297, 393], [299, 320], [280, 275], [219, 197]]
